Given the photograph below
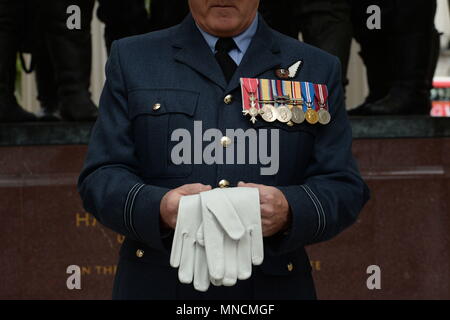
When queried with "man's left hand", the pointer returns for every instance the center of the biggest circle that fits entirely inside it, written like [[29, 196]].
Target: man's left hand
[[275, 211]]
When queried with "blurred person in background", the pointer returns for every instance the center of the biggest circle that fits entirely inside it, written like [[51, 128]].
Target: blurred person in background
[[325, 24], [128, 18], [63, 61], [400, 58], [12, 33]]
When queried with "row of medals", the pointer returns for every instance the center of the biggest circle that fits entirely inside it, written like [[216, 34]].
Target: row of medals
[[288, 111]]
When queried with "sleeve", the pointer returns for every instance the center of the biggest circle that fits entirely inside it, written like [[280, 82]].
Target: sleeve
[[333, 192], [109, 184]]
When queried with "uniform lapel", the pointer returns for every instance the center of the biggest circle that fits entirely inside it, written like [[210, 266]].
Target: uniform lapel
[[263, 54], [193, 51]]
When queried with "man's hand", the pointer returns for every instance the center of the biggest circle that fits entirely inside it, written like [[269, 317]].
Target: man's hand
[[168, 207], [275, 211]]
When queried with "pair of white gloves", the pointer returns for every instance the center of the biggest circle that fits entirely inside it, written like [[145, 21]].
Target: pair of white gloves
[[218, 237]]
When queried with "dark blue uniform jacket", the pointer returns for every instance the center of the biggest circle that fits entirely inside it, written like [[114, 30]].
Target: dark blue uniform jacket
[[128, 168]]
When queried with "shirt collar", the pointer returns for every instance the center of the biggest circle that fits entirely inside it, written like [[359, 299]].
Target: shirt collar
[[242, 40]]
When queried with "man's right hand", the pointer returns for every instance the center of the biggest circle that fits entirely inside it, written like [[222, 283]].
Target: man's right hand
[[169, 203]]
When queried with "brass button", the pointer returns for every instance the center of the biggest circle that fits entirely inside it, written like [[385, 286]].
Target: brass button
[[290, 266], [156, 106], [228, 99], [224, 183], [139, 253], [225, 141], [290, 123]]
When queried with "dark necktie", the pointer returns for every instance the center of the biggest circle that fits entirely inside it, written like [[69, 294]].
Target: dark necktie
[[223, 46]]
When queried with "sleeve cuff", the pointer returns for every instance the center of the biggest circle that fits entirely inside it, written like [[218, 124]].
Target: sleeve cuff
[[144, 215], [307, 220]]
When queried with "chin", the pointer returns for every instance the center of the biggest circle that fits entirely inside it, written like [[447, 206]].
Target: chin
[[225, 27]]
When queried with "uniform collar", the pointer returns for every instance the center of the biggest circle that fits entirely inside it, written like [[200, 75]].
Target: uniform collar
[[242, 40], [191, 49]]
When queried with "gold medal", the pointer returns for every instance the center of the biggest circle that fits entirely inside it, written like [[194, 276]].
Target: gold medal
[[324, 116], [311, 116], [269, 113], [284, 114], [298, 116]]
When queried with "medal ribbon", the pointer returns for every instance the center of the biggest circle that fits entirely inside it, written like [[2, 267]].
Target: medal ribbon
[[250, 86], [287, 91], [274, 90], [265, 91], [297, 93], [281, 92], [322, 95], [308, 93]]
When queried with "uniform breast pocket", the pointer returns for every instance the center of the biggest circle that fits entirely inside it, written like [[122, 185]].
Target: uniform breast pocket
[[155, 114], [292, 145]]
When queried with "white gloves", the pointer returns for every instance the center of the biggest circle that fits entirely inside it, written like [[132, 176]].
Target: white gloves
[[232, 233], [186, 253], [218, 236]]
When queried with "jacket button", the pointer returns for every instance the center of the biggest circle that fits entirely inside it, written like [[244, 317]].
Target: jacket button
[[224, 183], [290, 124], [290, 266], [228, 99], [225, 141], [156, 106], [139, 253]]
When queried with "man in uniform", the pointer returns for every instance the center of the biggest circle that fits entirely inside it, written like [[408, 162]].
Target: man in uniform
[[164, 81]]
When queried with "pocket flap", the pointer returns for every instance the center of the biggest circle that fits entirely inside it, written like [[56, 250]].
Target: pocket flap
[[158, 102]]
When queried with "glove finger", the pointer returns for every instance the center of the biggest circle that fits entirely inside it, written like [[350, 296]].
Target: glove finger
[[187, 205], [213, 237], [257, 245], [231, 269], [186, 269], [224, 211], [201, 275], [177, 244], [214, 246], [244, 255], [200, 235], [216, 282]]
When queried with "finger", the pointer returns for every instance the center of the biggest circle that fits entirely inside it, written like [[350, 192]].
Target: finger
[[201, 275], [194, 188], [267, 210], [177, 243], [216, 282], [266, 229], [186, 270], [201, 235], [250, 185], [244, 255], [267, 224], [231, 273], [257, 245], [213, 240]]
